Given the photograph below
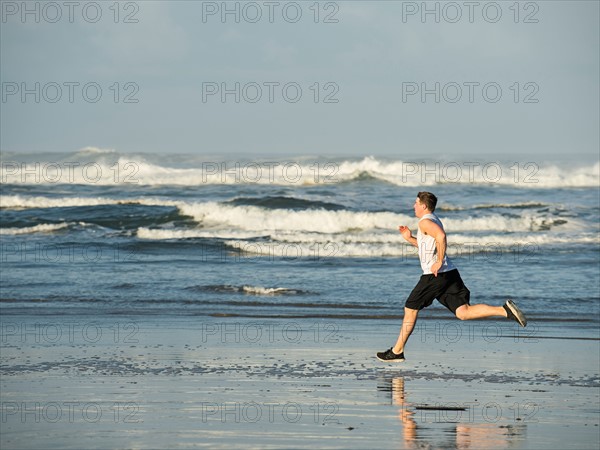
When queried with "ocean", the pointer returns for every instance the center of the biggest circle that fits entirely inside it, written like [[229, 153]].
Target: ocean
[[97, 233]]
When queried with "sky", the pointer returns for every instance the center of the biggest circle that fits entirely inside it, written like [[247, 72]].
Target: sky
[[389, 78]]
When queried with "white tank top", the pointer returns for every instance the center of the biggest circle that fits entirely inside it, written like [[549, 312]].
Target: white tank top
[[428, 249]]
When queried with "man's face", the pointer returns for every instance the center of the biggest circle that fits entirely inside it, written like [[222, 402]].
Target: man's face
[[419, 208]]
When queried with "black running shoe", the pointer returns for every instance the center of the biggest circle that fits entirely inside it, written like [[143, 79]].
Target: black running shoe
[[514, 313], [390, 356]]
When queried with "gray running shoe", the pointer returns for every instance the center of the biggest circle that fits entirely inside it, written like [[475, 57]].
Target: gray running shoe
[[514, 313]]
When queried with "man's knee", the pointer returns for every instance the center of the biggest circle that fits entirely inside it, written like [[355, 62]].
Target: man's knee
[[410, 312], [462, 312]]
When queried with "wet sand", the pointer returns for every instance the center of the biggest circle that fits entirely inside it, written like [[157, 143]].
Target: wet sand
[[193, 382]]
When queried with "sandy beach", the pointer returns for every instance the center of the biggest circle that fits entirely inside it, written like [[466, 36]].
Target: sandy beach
[[202, 382]]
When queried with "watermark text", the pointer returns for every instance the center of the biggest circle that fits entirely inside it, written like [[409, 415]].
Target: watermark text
[[269, 92], [269, 332], [71, 12], [68, 332], [469, 92], [69, 92], [270, 12], [69, 412], [471, 12]]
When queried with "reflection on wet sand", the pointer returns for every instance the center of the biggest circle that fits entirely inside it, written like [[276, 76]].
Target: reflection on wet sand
[[451, 427]]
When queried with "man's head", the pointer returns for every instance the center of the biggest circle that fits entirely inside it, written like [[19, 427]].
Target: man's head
[[425, 203]]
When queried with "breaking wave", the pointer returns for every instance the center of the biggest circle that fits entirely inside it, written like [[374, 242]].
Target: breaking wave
[[92, 166]]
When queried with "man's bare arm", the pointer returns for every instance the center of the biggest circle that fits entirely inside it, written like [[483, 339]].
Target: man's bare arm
[[407, 234]]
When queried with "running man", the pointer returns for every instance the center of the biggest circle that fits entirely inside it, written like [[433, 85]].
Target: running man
[[440, 280]]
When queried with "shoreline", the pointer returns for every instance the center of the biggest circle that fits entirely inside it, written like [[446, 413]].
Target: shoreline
[[172, 382]]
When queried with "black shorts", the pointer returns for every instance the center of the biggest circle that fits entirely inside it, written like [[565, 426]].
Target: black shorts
[[448, 288]]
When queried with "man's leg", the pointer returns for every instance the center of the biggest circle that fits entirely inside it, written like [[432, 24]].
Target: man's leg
[[408, 325], [470, 312], [510, 310], [456, 298], [423, 295]]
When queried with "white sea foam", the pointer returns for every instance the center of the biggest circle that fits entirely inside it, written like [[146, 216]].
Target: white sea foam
[[41, 228], [228, 218], [93, 166], [260, 290], [22, 202], [166, 234], [518, 174], [260, 220], [521, 246]]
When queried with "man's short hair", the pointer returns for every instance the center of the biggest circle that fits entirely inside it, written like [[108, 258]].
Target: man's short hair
[[428, 199]]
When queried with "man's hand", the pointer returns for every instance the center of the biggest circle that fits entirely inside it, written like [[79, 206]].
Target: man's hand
[[435, 267], [405, 231]]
